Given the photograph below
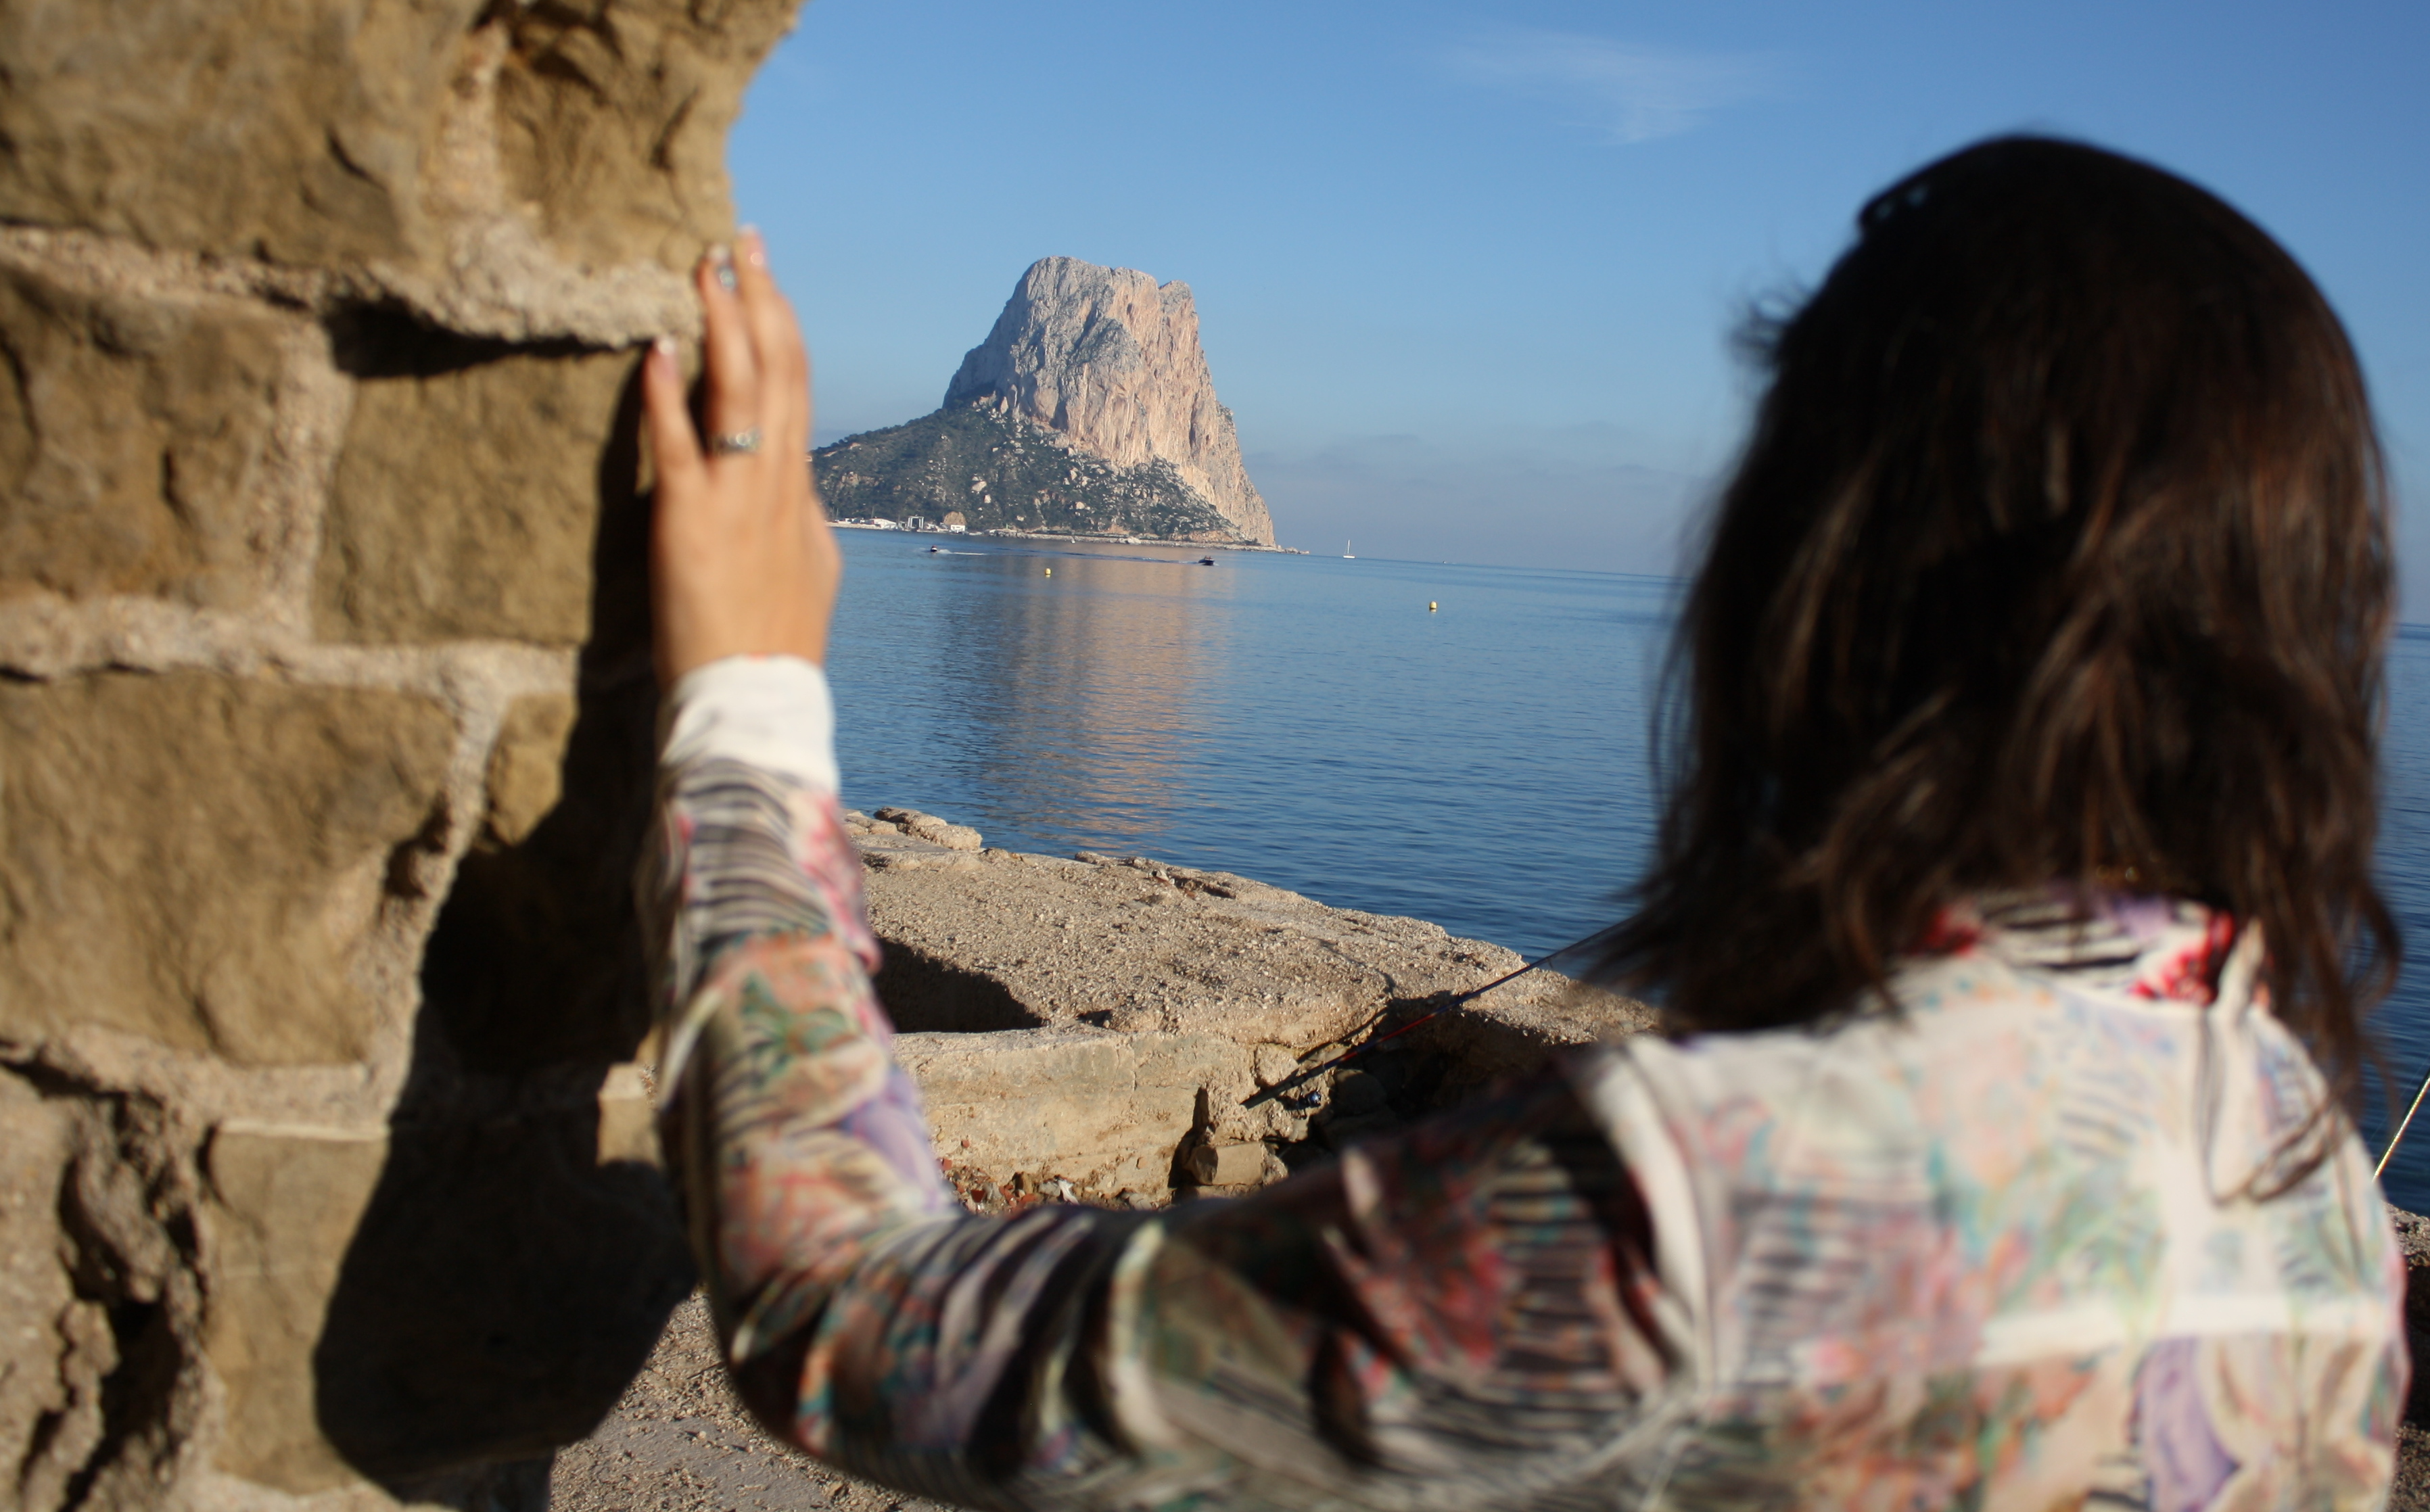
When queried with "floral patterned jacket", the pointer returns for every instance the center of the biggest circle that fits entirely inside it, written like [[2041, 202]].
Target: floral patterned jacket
[[2021, 1243]]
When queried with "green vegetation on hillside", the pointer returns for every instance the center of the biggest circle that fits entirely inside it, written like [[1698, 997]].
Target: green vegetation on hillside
[[1002, 473]]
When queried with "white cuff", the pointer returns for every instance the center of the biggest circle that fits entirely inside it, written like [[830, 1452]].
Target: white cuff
[[772, 713]]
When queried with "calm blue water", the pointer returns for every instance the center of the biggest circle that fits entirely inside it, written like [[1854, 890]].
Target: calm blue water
[[1307, 721]]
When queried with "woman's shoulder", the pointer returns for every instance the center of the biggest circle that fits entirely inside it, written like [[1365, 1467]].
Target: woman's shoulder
[[2036, 1034], [2058, 1147]]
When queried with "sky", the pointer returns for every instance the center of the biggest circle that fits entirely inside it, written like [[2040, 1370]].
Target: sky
[[1467, 273]]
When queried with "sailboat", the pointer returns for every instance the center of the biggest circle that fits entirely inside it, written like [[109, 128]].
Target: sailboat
[[1345, 553]]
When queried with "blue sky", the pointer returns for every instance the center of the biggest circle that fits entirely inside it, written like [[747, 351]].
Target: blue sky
[[1466, 273]]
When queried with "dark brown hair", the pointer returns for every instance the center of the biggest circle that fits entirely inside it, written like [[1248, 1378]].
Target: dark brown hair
[[2058, 551]]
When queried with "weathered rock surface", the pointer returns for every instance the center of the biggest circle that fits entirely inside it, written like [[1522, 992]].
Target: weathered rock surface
[[1108, 1112], [196, 859], [1106, 422], [133, 439], [286, 1204], [325, 719], [1139, 947], [100, 1310], [1102, 1021], [509, 558], [540, 171], [930, 828]]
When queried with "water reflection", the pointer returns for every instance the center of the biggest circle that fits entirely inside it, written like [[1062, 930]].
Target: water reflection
[[1067, 682], [1105, 670], [1305, 721]]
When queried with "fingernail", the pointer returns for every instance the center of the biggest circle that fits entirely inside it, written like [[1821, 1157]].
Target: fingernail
[[755, 247], [720, 262], [664, 346]]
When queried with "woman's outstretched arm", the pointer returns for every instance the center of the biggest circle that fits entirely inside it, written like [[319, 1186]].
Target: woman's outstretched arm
[[1460, 1317]]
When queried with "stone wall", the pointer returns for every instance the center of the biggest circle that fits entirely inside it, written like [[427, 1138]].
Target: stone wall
[[325, 731]]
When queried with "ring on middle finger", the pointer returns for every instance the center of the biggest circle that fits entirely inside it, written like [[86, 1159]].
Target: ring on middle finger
[[735, 443]]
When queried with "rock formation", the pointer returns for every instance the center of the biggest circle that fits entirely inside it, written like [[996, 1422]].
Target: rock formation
[[1106, 422], [1110, 358], [1098, 1021], [325, 733]]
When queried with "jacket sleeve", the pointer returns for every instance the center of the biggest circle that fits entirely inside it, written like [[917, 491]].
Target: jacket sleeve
[[1458, 1317]]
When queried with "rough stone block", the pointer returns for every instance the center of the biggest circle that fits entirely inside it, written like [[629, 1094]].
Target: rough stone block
[[293, 128], [131, 441], [507, 1278], [57, 1345], [1229, 1165], [468, 495], [394, 1302], [1075, 1103], [612, 119], [629, 1118], [101, 1381], [536, 957], [525, 766], [1139, 946], [285, 1205], [887, 846], [932, 829], [195, 858]]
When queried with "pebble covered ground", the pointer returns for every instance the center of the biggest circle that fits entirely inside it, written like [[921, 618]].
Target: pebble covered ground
[[2412, 1493], [680, 1441]]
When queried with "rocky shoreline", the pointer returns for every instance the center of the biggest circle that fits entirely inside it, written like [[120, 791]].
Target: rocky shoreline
[[1085, 1029], [1080, 540], [1097, 1022]]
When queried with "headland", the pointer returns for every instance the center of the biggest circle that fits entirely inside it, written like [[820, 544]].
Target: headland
[[1088, 409]]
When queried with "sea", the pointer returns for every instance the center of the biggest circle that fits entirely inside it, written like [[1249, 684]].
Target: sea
[[1470, 745]]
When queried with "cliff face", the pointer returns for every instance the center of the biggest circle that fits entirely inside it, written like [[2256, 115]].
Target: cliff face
[[1111, 360]]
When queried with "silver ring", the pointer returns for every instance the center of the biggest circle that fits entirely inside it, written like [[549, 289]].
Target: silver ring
[[741, 443]]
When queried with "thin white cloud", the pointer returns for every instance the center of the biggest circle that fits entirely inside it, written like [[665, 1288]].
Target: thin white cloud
[[1631, 94]]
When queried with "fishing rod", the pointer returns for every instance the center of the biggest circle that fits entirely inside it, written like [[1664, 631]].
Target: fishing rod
[[1297, 1078], [2393, 1140]]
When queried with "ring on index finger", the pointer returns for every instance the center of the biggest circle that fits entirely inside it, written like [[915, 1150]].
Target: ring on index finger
[[735, 443]]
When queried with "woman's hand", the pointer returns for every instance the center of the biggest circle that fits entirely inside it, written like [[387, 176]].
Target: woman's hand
[[742, 562]]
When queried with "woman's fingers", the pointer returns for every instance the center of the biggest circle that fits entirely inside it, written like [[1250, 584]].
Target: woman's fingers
[[684, 493], [742, 562], [729, 358], [776, 337], [672, 436]]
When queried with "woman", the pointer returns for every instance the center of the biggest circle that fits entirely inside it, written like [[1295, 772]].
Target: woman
[[2018, 846]]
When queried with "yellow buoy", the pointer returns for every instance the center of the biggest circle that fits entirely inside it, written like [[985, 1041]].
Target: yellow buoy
[[1432, 605], [1050, 572]]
